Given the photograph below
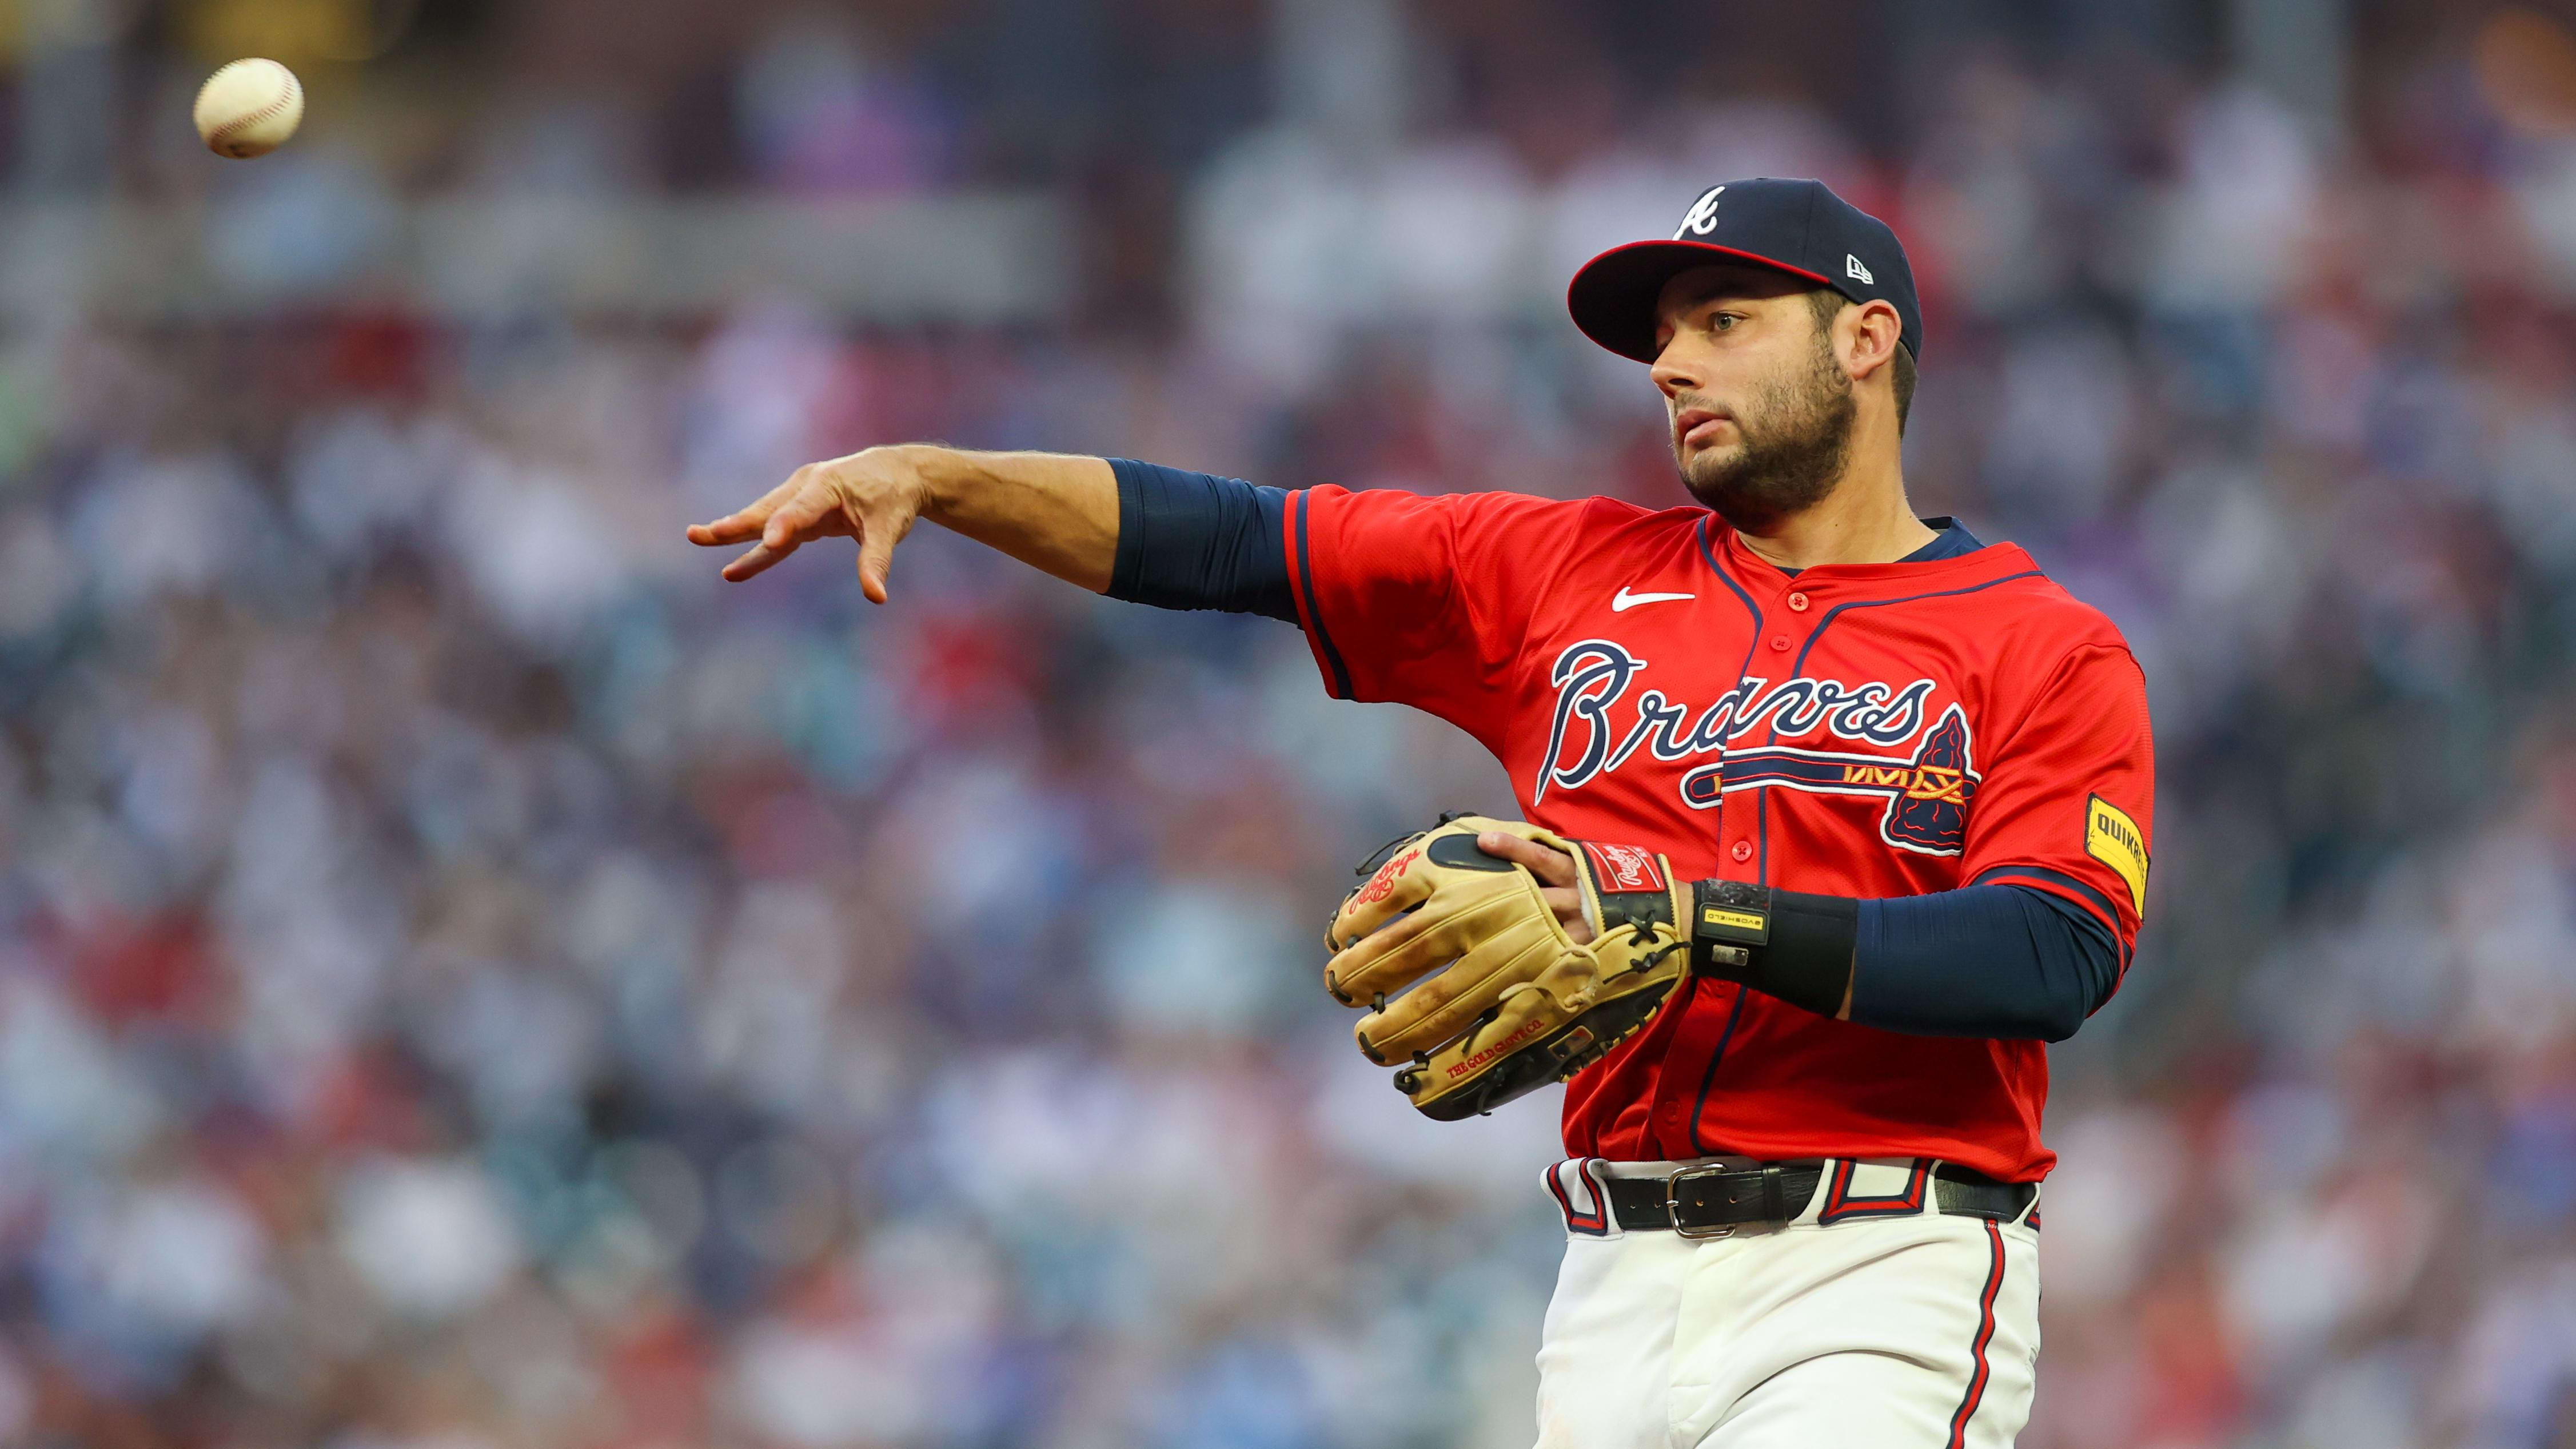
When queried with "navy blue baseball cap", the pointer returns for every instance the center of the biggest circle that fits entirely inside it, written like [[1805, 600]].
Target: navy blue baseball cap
[[1798, 227]]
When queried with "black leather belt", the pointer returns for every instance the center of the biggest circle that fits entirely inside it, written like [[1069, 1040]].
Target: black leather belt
[[1712, 1199]]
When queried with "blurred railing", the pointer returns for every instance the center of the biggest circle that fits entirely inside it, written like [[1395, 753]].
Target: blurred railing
[[974, 258]]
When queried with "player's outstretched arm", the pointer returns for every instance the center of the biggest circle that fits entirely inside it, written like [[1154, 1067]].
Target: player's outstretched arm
[[1047, 510]]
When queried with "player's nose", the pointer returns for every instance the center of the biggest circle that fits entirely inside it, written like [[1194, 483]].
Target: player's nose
[[1674, 375]]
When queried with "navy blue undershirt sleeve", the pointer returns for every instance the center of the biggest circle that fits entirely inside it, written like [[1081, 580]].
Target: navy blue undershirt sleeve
[[1997, 961], [1197, 541]]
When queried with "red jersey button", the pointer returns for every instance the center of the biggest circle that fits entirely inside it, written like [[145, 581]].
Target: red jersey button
[[1798, 602], [1743, 851], [1780, 643]]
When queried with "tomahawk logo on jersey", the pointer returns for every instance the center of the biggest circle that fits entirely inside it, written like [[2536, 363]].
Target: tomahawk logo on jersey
[[1852, 730]]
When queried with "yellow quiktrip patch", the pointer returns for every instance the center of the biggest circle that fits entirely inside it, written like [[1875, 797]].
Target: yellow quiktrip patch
[[2114, 839]]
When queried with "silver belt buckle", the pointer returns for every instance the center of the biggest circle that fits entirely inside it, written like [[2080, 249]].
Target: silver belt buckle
[[1673, 1202]]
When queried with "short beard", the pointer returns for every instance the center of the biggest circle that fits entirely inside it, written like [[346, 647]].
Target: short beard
[[1797, 443]]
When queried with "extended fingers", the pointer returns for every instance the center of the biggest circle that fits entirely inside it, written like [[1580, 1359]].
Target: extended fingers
[[808, 513], [755, 561], [878, 534], [732, 528], [744, 524], [804, 508]]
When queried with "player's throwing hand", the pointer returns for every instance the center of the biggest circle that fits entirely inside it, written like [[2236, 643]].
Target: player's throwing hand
[[1059, 514], [873, 495]]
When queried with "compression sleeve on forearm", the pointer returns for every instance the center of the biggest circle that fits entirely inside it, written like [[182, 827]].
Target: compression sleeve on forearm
[[1196, 541], [1997, 961], [2002, 962]]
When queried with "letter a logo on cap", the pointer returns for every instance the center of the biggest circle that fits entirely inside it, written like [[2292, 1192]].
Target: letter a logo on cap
[[1701, 219]]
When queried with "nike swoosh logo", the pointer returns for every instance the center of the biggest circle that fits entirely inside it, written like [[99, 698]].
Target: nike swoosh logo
[[1623, 601]]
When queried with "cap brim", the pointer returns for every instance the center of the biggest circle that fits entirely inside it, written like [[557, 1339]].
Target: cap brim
[[1612, 297]]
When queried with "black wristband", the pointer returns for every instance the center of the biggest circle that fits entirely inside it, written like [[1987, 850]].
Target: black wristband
[[1788, 944]]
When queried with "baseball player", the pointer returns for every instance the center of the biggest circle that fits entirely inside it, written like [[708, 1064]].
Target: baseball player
[[1834, 817]]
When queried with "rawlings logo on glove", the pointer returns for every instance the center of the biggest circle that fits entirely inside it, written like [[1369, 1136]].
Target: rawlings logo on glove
[[1503, 1000]]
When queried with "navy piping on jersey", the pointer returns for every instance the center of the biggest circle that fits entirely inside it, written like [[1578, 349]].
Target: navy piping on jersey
[[1762, 799], [2100, 901], [1315, 614], [1709, 1076], [1761, 833], [1710, 554], [1839, 610]]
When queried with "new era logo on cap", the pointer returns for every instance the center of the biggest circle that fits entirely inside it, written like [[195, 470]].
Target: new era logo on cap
[[1795, 226]]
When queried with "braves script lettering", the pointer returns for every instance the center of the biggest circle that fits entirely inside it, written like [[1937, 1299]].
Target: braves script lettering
[[1585, 740]]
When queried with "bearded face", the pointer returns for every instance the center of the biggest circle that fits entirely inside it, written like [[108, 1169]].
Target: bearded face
[[1793, 440]]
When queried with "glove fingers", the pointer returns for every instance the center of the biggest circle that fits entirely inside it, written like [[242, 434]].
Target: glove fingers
[[1423, 942], [1526, 1017], [1585, 1007], [1371, 951], [1407, 879], [1447, 1006], [1398, 886]]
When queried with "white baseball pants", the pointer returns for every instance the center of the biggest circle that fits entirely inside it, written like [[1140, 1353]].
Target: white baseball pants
[[1883, 1328]]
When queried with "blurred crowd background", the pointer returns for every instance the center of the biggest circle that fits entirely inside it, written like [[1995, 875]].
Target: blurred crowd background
[[470, 980]]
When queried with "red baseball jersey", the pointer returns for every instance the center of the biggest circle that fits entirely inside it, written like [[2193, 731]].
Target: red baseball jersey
[[1854, 730]]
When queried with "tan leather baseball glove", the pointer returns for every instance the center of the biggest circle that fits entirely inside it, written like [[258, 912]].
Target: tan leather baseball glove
[[1503, 1000]]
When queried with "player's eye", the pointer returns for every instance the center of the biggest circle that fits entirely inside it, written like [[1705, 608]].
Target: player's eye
[[1724, 321]]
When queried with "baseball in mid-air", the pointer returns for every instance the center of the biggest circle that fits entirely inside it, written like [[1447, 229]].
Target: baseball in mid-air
[[248, 108]]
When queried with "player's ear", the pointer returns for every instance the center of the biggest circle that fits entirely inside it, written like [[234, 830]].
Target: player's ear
[[1867, 337]]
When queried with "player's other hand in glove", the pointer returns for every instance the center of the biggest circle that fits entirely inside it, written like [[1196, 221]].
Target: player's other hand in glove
[[1554, 870], [1528, 956]]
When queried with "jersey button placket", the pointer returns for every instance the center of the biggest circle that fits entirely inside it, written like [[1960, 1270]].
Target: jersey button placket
[[1797, 602]]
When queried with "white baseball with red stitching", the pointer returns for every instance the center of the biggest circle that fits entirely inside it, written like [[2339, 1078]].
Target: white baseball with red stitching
[[249, 108]]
